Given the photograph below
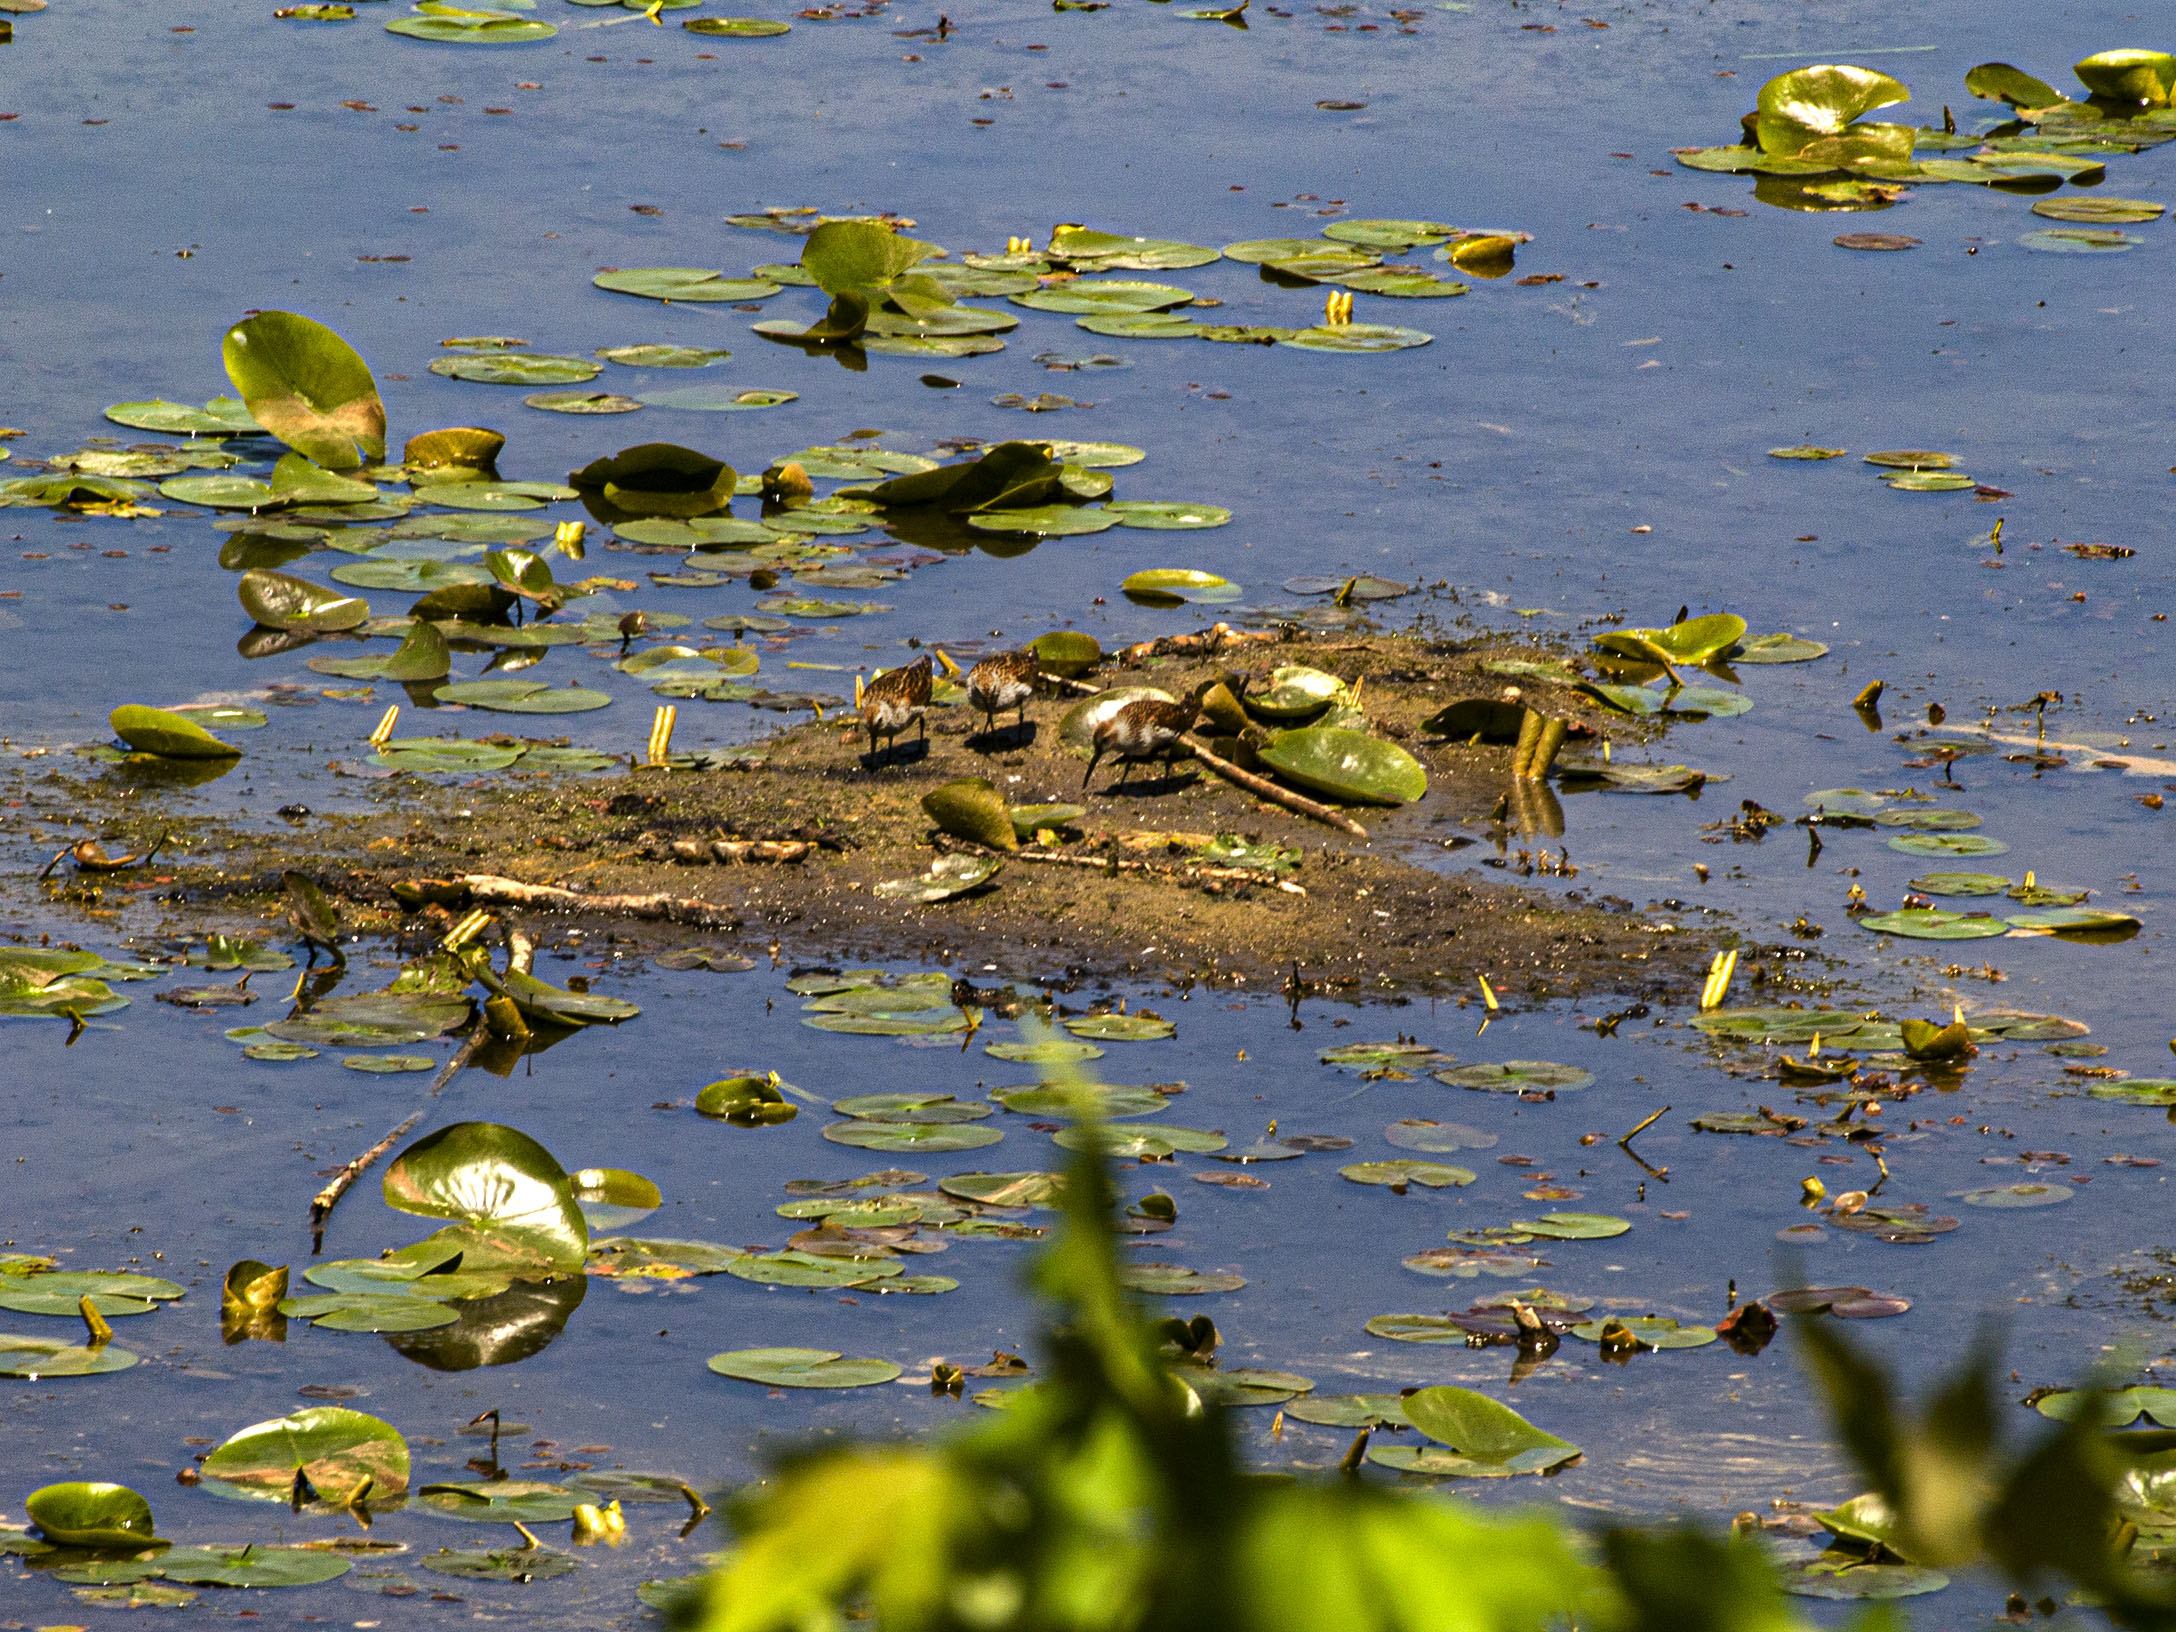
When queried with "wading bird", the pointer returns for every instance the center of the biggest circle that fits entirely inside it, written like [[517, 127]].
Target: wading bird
[[1147, 729], [1004, 681], [893, 700]]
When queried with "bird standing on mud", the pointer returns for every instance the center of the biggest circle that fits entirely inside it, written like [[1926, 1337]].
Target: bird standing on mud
[[1004, 681], [895, 699], [1149, 729]]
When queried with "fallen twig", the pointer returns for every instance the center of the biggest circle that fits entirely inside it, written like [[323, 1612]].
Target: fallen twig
[[736, 851], [1183, 871], [507, 892], [1266, 789], [322, 1204]]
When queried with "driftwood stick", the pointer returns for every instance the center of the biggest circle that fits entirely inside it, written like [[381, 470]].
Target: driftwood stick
[[506, 892], [1183, 871], [1266, 789], [322, 1204]]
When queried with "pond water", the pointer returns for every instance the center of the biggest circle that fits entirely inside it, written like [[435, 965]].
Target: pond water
[[1562, 452]]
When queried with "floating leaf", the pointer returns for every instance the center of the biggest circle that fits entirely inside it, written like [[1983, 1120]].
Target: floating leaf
[[1847, 1576], [905, 1136], [85, 1514], [2016, 1195], [1948, 844], [505, 1501], [279, 601], [347, 1457], [61, 1292], [308, 387], [1137, 1139], [1082, 1100], [1649, 1331], [1573, 1226], [1420, 1133], [946, 877], [35, 1358], [509, 1564], [1934, 924], [168, 735], [512, 1198], [1176, 1280], [2078, 923], [682, 283], [1404, 1170], [1122, 1028], [1044, 1190], [1173, 586], [517, 368], [522, 697], [802, 1368], [1516, 1077], [1484, 1438]]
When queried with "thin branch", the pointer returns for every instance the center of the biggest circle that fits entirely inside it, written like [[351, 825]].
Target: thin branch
[[1262, 787], [507, 892]]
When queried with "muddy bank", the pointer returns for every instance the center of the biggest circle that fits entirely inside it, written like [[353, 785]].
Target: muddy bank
[[1122, 890]]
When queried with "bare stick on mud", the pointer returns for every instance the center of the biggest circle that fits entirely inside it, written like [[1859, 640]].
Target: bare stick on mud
[[1262, 787], [491, 890]]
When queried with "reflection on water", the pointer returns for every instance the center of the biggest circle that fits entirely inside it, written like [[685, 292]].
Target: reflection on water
[[499, 1331]]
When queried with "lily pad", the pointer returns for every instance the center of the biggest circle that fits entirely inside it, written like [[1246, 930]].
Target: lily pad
[[1422, 1133], [369, 1311], [2016, 1195], [61, 1292], [1649, 1331], [82, 1513], [513, 1565], [908, 1136], [2080, 240], [1482, 1438], [505, 1501], [167, 735], [1176, 1280], [737, 28], [1045, 1190], [1166, 516], [1573, 1226], [308, 387], [582, 402], [515, 1204], [523, 697], [806, 1269], [947, 876], [682, 283], [1778, 648], [1848, 1577], [1137, 1139], [1045, 521], [1121, 1028], [517, 368], [1347, 765], [1350, 1410], [802, 1368], [1405, 1170], [1516, 1077], [1948, 844], [1082, 1100], [34, 1358], [2081, 923], [1934, 924], [1174, 586], [347, 1457]]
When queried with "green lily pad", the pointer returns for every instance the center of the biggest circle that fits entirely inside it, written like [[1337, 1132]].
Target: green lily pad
[[1120, 1028], [523, 697], [1137, 1139], [347, 1456], [448, 755], [2092, 209], [1347, 765], [504, 1501], [1803, 450], [81, 1513], [1174, 586], [514, 1205], [1051, 1051], [34, 1358], [1928, 819], [2082, 923], [167, 735], [1104, 295], [1437, 1138], [1044, 1190], [513, 1565], [1515, 1077], [1693, 641], [1350, 1410], [1651, 1331], [1482, 1438], [1101, 1101], [1045, 521], [802, 1368], [1357, 337], [221, 492], [1934, 924], [61, 1292], [1960, 884], [806, 1269], [1847, 1576], [308, 387], [2118, 1408], [411, 577], [1644, 701], [279, 601], [1573, 1226], [2079, 240], [517, 368], [907, 1136], [2154, 1091], [369, 1311], [1373, 1056], [1246, 1386], [1928, 481], [925, 1108], [681, 283], [1948, 844], [222, 416], [1166, 516], [582, 402], [1176, 1280], [2016, 1195], [718, 398], [1405, 1170], [737, 28]]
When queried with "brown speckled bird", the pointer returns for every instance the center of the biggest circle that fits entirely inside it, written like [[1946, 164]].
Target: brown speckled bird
[[1145, 729], [1004, 681], [893, 700]]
